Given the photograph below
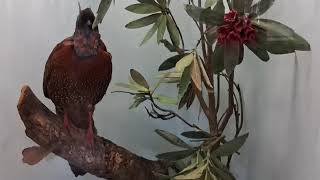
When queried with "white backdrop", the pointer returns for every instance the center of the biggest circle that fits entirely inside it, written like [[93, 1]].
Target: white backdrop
[[281, 96]]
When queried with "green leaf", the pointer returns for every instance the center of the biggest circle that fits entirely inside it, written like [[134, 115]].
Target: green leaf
[[149, 34], [143, 8], [196, 134], [184, 82], [218, 59], [194, 11], [184, 62], [102, 10], [239, 5], [231, 147], [209, 3], [166, 99], [278, 38], [162, 3], [195, 174], [175, 155], [173, 31], [173, 139], [213, 16], [261, 7], [168, 45], [221, 170], [137, 87], [161, 28], [138, 78], [170, 62], [211, 34], [258, 50], [231, 56], [188, 97], [148, 2], [142, 22], [300, 43], [187, 169]]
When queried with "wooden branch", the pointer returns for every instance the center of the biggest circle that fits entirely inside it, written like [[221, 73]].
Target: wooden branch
[[105, 159]]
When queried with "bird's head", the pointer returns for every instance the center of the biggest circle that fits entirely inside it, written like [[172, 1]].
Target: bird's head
[[85, 20]]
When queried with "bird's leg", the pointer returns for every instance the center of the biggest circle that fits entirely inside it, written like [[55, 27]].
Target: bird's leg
[[66, 124], [90, 134]]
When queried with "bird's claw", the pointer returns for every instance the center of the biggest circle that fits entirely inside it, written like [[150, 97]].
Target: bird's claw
[[90, 138]]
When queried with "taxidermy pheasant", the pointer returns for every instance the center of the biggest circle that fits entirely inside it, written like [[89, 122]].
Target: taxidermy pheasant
[[77, 75]]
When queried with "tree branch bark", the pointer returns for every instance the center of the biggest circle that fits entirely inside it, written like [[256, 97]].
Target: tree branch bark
[[105, 159]]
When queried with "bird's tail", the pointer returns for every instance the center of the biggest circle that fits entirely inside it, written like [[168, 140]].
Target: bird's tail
[[77, 171]]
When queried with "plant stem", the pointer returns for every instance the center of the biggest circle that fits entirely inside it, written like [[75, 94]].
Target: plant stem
[[231, 103], [173, 113]]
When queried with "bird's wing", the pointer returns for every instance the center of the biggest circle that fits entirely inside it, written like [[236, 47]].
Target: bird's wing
[[49, 64]]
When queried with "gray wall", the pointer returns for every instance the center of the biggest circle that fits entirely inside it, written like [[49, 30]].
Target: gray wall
[[281, 96]]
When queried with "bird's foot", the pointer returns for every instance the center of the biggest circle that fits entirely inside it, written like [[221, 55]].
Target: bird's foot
[[66, 123], [90, 138], [90, 134]]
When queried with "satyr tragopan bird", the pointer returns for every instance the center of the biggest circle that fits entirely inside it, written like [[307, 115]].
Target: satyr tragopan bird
[[77, 75]]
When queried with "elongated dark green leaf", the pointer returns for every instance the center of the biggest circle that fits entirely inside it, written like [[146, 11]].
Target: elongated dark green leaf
[[176, 155], [143, 8], [218, 59], [278, 38], [232, 146], [138, 78], [142, 22], [213, 16], [300, 43], [194, 11], [148, 2], [173, 139], [173, 31], [170, 62], [184, 82], [248, 6], [168, 45], [102, 10], [162, 3], [196, 134], [241, 53], [221, 170], [161, 28], [149, 34], [258, 51], [261, 7], [188, 97], [239, 5], [212, 34], [231, 56]]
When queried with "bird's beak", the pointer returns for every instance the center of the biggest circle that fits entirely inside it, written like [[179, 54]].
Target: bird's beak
[[79, 7]]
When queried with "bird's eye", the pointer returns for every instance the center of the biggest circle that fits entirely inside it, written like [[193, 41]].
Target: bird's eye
[[89, 23]]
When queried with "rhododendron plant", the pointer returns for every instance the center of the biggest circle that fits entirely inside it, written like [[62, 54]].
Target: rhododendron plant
[[197, 71]]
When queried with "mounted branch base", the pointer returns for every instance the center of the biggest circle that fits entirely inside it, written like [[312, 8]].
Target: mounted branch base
[[105, 159]]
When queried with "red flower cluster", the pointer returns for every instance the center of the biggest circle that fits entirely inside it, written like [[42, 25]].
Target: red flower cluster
[[236, 28]]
